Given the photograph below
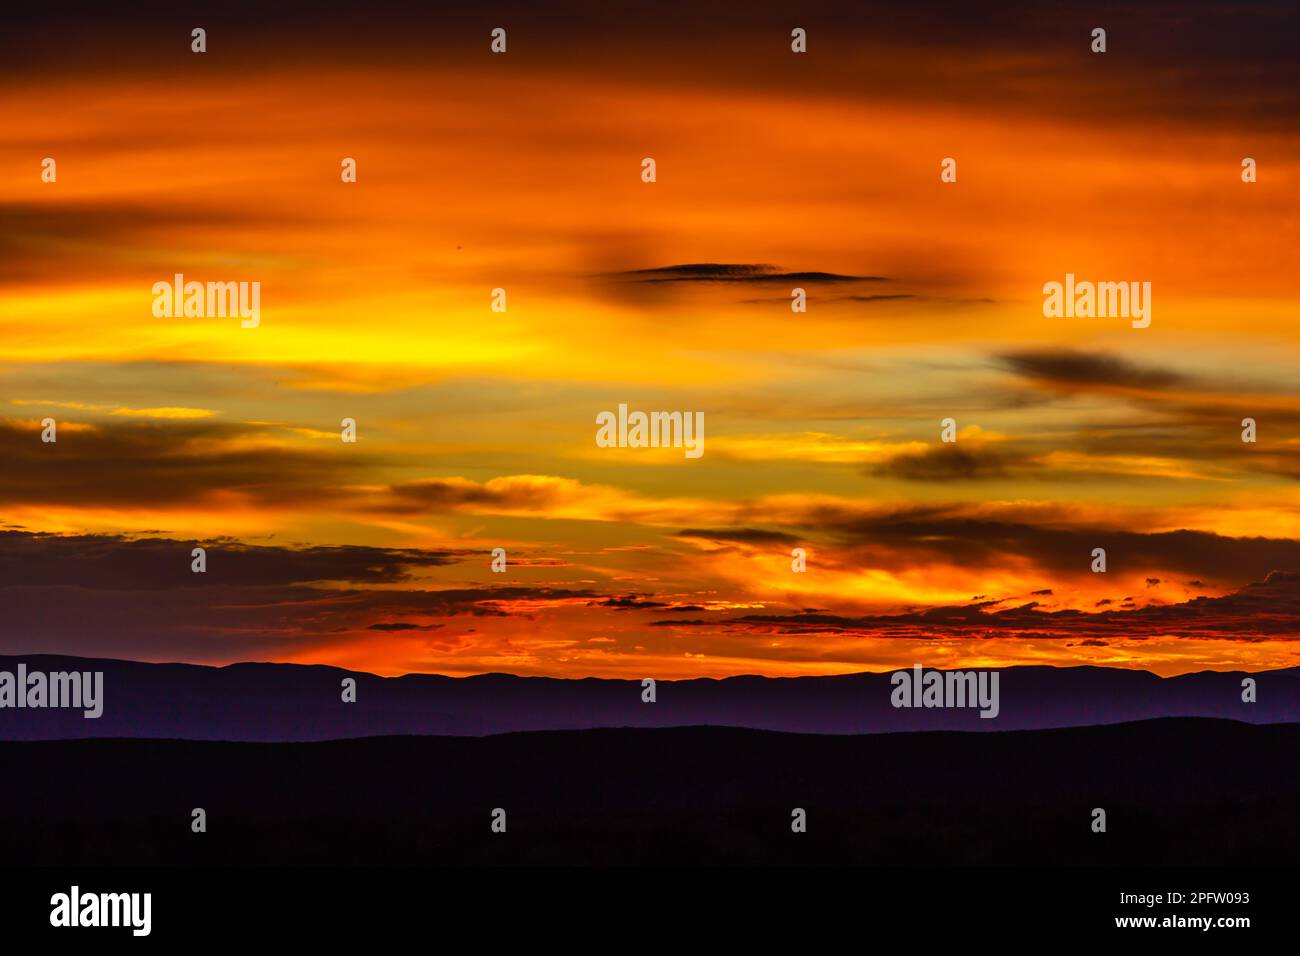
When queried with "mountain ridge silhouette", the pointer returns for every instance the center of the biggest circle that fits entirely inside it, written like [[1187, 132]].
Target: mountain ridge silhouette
[[273, 702]]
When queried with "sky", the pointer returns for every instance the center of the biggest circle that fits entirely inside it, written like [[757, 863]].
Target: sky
[[476, 429]]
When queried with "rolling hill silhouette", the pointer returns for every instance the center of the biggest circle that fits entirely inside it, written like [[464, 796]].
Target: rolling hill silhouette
[[1179, 791]]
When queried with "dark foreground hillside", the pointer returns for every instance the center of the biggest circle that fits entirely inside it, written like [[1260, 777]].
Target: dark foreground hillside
[[1178, 791]]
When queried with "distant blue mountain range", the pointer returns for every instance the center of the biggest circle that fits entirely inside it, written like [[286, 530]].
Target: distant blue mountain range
[[292, 702]]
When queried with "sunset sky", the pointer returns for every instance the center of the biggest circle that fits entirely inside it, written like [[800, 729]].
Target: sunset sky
[[476, 429]]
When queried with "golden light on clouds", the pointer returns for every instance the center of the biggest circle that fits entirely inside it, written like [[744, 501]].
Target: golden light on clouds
[[476, 427]]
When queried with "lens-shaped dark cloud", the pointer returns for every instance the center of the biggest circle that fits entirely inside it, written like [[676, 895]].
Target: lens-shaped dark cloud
[[739, 536], [630, 602], [732, 272], [146, 564], [922, 535], [146, 464], [1068, 367], [948, 462]]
